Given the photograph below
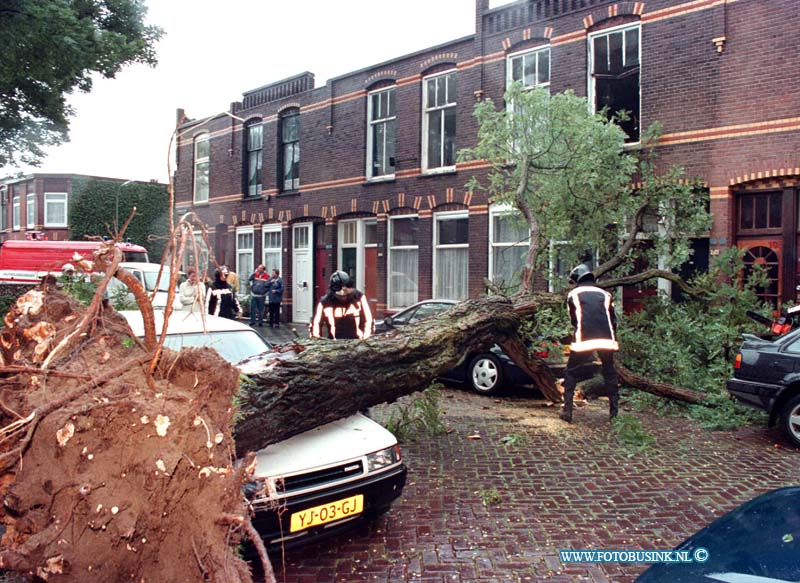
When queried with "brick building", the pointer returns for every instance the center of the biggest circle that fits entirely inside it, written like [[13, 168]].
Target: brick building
[[361, 174]]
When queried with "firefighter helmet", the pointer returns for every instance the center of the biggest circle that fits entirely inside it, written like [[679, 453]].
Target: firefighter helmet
[[339, 279], [581, 273]]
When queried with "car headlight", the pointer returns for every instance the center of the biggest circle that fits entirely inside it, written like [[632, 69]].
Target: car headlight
[[383, 458]]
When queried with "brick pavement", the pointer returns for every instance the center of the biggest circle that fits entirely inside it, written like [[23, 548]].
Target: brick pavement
[[560, 487]]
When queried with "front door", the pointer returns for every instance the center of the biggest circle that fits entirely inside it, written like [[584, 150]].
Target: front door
[[302, 273]]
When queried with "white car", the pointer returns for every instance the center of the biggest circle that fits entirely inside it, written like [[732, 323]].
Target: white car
[[315, 483], [147, 274]]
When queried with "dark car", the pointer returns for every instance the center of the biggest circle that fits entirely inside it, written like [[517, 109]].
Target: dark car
[[766, 375], [758, 542], [486, 371]]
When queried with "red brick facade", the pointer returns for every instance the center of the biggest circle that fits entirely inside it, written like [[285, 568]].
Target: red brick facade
[[719, 75]]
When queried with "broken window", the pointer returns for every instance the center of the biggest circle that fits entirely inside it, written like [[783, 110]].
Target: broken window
[[615, 76]]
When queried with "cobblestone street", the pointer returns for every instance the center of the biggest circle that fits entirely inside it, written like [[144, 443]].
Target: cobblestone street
[[479, 510]]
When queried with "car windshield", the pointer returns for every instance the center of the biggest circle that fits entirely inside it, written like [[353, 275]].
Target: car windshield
[[150, 278], [234, 346]]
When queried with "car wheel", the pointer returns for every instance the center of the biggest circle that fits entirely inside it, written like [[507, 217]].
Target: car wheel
[[790, 419], [485, 374]]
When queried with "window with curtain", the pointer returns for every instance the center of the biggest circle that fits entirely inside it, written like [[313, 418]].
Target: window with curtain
[[439, 122], [451, 256], [244, 256], [381, 135], [509, 243], [55, 209], [403, 262], [30, 209], [255, 145], [290, 150], [202, 152], [614, 59], [15, 213], [272, 241]]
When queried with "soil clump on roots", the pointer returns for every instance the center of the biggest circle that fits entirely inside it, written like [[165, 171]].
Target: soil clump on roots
[[110, 473]]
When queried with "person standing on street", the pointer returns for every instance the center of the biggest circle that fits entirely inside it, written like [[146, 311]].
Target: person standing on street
[[232, 279], [344, 310], [259, 288], [591, 310], [275, 299], [192, 293], [222, 299]]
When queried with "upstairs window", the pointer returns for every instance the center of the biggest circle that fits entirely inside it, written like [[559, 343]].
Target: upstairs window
[[30, 210], [614, 83], [255, 146], [381, 134], [55, 209], [3, 208], [290, 150], [202, 151], [15, 213], [439, 122], [531, 68]]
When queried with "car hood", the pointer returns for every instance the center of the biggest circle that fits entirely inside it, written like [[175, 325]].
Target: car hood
[[326, 445]]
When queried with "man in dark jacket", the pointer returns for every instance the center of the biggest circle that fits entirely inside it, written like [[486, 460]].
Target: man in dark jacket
[[591, 310], [222, 300], [275, 298], [344, 310]]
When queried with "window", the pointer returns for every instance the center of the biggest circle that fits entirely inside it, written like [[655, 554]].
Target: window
[[272, 239], [614, 82], [451, 256], [244, 256], [202, 150], [255, 144], [403, 261], [3, 208], [15, 219], [290, 150], [532, 68], [55, 209], [30, 211], [760, 211], [439, 122], [509, 240], [380, 134]]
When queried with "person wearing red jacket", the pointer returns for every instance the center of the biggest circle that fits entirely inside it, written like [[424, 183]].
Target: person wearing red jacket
[[591, 310]]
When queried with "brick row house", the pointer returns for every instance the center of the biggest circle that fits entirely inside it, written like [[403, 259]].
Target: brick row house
[[361, 174]]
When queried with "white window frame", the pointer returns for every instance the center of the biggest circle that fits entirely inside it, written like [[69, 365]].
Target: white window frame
[[390, 248], [205, 160], [590, 94], [425, 111], [265, 230], [30, 210], [359, 245], [254, 190], [49, 200], [15, 213], [438, 218], [3, 208], [243, 281], [391, 119], [534, 52], [503, 209]]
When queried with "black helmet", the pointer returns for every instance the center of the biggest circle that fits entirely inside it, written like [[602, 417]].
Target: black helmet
[[581, 273], [339, 279]]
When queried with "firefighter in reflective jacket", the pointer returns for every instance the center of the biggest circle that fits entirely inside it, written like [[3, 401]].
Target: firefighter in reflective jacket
[[591, 310], [344, 310]]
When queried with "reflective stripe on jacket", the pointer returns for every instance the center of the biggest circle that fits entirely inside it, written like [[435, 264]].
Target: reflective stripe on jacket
[[591, 310], [347, 318]]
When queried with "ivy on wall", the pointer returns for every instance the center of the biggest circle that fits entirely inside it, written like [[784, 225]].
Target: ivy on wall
[[95, 204]]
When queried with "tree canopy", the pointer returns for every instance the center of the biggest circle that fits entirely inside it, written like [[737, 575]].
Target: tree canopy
[[574, 181], [50, 49]]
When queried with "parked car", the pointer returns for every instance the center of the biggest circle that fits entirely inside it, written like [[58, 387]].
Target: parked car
[[766, 375], [147, 274], [485, 371], [316, 483], [758, 542]]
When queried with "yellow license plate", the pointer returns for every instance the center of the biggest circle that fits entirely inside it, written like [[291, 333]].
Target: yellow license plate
[[327, 513]]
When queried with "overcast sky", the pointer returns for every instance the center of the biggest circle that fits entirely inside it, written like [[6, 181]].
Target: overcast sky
[[214, 50]]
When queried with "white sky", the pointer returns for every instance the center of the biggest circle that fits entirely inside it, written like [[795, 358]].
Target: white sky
[[213, 50]]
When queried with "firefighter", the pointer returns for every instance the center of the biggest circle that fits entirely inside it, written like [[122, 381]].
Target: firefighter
[[344, 310], [591, 311]]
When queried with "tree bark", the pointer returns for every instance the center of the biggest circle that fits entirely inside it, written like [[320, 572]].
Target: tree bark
[[660, 389]]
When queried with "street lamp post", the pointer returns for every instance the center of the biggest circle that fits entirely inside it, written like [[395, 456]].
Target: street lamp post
[[116, 204]]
